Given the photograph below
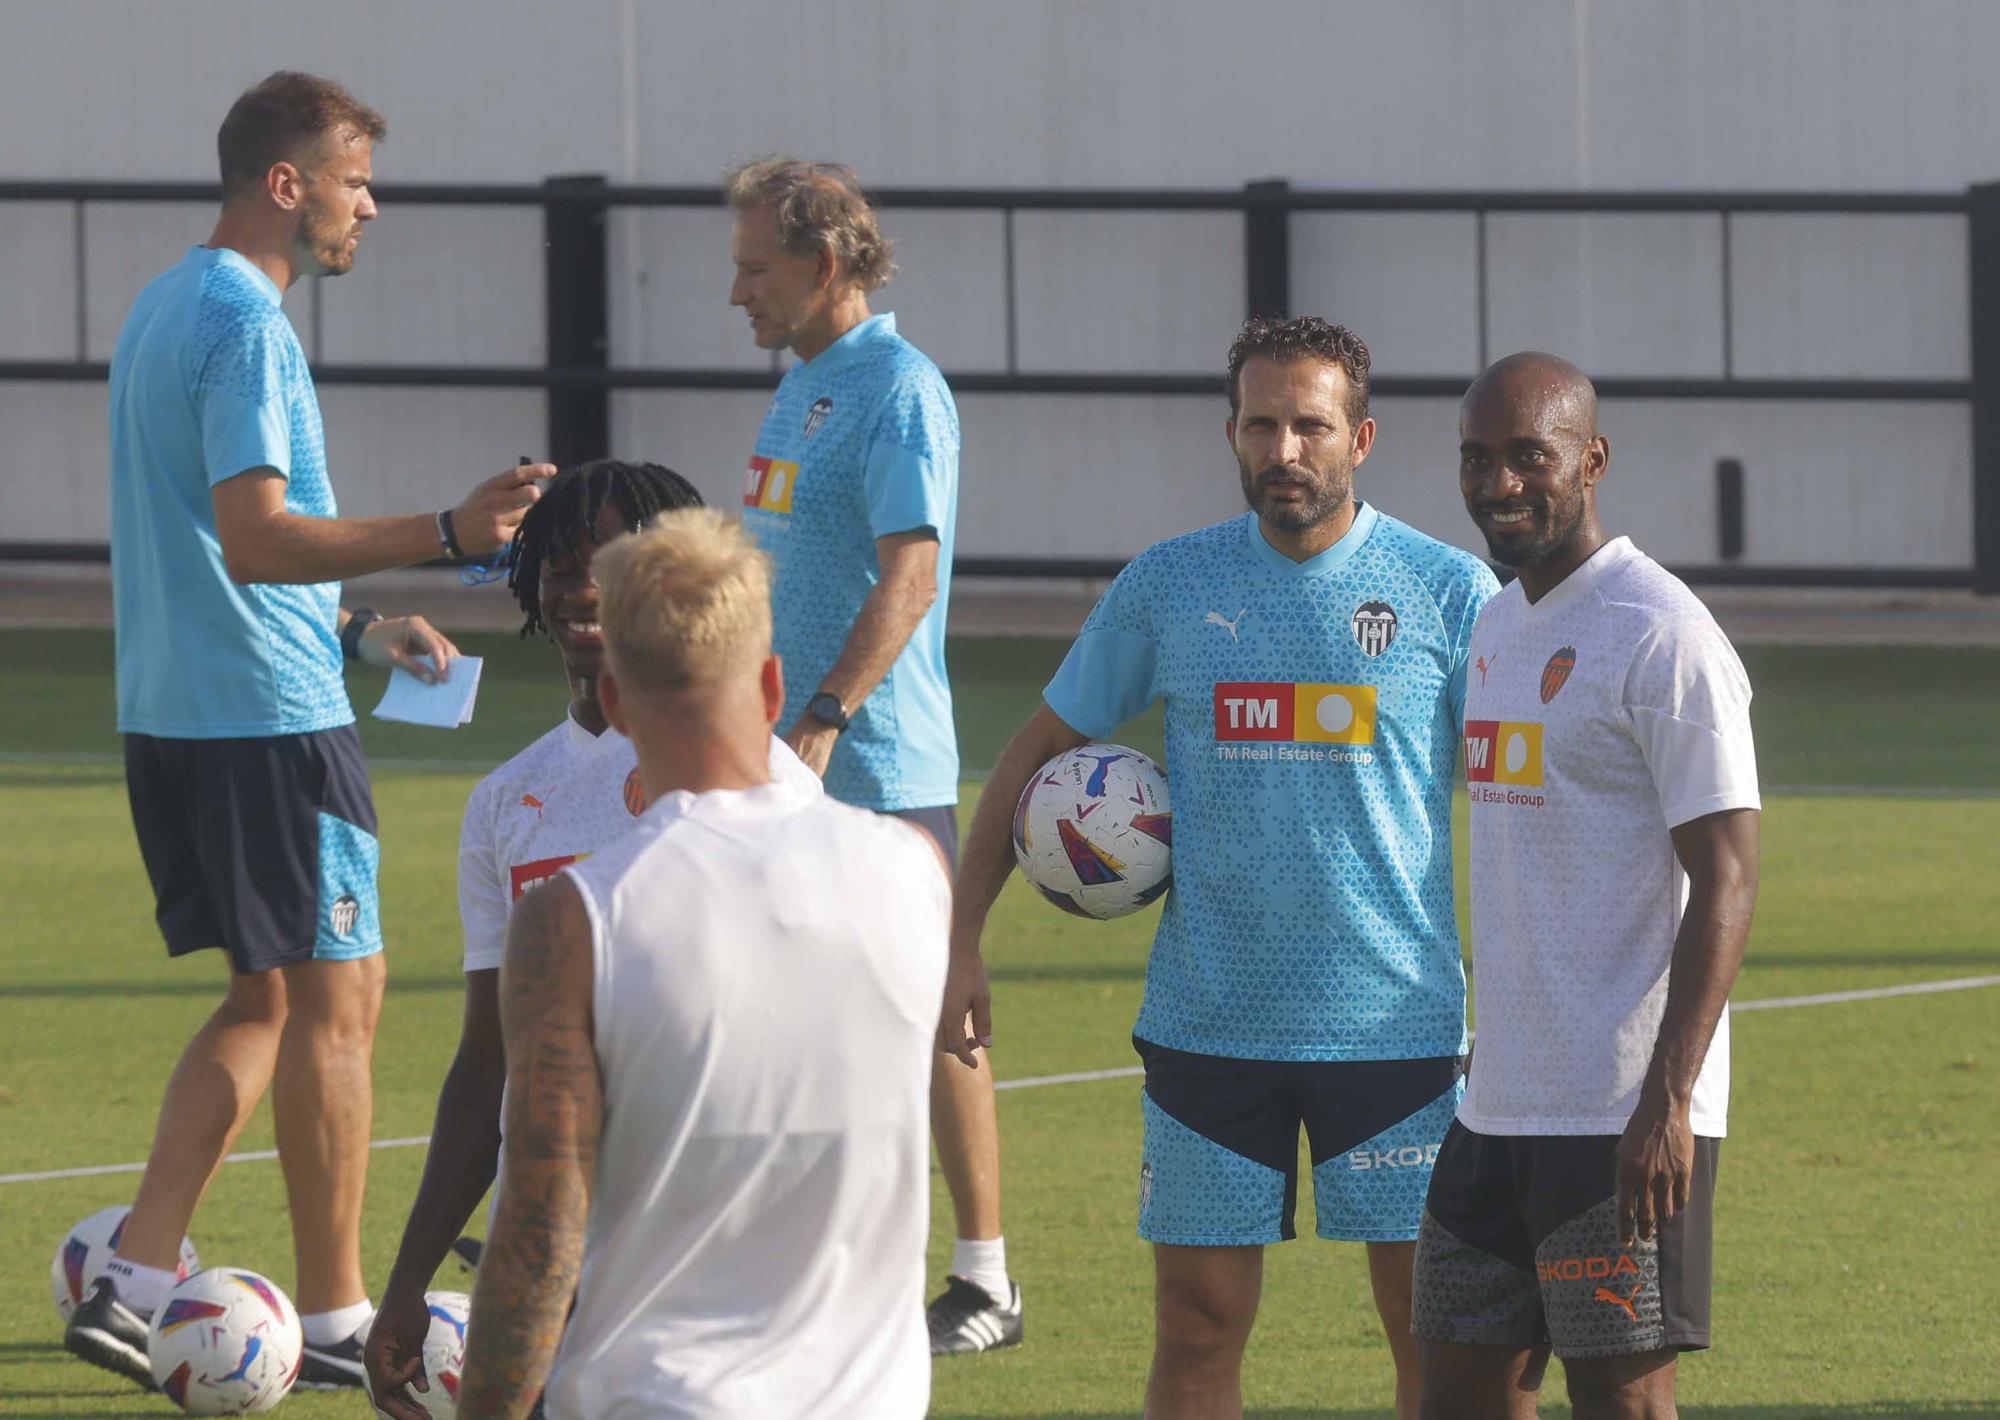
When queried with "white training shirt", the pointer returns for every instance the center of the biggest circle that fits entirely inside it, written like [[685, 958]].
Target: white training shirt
[[556, 802], [769, 966], [1596, 719]]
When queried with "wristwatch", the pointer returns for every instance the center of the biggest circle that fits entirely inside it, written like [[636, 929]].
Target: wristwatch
[[826, 708], [358, 621]]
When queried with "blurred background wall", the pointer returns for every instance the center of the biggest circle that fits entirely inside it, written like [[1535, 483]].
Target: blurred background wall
[[1573, 94]]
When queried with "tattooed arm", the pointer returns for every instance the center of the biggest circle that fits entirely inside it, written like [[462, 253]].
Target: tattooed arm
[[555, 1109]]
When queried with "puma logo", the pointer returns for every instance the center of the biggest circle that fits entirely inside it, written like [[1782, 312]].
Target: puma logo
[[530, 801], [1216, 618], [1482, 665], [1605, 1294]]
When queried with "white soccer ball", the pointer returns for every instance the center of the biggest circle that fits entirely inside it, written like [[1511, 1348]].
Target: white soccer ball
[[1094, 831], [444, 1355], [80, 1258], [226, 1342]]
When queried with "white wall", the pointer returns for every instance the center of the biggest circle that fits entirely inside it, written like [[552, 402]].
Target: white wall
[[1425, 94]]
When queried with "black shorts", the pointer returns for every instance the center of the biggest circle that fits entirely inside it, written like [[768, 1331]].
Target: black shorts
[[1520, 1248], [265, 847], [1221, 1153], [941, 823]]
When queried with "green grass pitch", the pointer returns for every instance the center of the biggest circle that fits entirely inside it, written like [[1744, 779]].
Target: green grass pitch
[[1857, 1253]]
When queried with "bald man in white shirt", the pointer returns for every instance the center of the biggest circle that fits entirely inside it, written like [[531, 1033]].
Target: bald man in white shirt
[[1615, 812]]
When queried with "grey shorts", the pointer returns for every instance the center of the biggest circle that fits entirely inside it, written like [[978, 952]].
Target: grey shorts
[[940, 822]]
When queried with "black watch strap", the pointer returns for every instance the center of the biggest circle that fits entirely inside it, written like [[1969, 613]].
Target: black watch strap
[[826, 708], [358, 621]]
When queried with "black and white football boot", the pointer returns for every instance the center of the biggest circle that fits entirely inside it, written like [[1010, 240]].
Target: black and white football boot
[[335, 1367], [106, 1332], [965, 1318]]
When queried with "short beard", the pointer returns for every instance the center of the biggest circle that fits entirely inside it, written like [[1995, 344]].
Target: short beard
[[324, 249], [1325, 497], [1565, 526]]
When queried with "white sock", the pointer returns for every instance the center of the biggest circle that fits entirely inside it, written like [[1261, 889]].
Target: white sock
[[983, 1262], [143, 1289], [332, 1328]]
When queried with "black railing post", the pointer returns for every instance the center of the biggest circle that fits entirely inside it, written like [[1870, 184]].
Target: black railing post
[[1983, 244], [578, 315], [1729, 509], [1267, 250]]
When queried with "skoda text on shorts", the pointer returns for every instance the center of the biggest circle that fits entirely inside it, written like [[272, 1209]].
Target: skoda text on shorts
[[1311, 656], [1614, 794]]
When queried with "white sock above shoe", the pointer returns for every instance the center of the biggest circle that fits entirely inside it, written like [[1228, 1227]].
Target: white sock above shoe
[[332, 1328], [143, 1289], [983, 1262]]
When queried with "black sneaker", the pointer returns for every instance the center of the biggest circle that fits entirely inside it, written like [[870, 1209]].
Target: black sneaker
[[335, 1367], [965, 1318], [106, 1332], [468, 1251]]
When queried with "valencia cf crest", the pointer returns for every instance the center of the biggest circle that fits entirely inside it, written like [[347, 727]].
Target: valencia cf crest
[[817, 415], [1555, 675], [346, 912], [1374, 627]]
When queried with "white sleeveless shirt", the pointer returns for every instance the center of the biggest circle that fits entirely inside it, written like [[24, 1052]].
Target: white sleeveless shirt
[[769, 965]]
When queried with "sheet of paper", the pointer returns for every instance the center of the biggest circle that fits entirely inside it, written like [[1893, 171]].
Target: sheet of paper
[[447, 704]]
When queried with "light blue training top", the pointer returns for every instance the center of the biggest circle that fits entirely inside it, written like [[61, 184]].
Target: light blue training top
[[1313, 714], [208, 381]]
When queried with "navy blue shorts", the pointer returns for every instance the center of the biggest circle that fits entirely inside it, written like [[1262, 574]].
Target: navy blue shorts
[[1220, 1166], [265, 847], [941, 823]]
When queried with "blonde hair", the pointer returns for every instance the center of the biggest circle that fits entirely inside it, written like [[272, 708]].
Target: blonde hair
[[816, 205], [685, 602]]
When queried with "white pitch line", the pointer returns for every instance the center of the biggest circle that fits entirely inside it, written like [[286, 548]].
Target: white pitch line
[[1126, 1072]]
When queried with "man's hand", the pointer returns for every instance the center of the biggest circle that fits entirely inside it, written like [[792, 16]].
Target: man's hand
[[1655, 1166], [967, 1003], [394, 1355], [485, 522], [813, 741], [402, 643]]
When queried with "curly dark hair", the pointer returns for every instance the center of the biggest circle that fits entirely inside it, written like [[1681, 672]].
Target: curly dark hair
[[288, 117], [565, 517], [1303, 338]]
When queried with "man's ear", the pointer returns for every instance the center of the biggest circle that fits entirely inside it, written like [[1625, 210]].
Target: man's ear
[[772, 681], [611, 700], [1596, 460], [1364, 440], [827, 269], [285, 185]]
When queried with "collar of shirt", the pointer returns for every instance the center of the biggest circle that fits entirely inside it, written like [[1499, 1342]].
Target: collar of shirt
[[1331, 560], [1588, 574], [225, 256], [845, 348]]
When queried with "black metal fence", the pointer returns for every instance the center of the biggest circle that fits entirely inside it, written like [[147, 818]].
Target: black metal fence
[[579, 376]]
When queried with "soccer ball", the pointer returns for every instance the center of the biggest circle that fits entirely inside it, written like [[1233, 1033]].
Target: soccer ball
[[226, 1342], [1094, 831], [444, 1355], [80, 1259]]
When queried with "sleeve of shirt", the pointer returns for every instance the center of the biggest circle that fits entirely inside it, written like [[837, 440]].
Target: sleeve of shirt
[[911, 475], [1689, 702], [241, 390], [1463, 598], [482, 887], [1110, 672]]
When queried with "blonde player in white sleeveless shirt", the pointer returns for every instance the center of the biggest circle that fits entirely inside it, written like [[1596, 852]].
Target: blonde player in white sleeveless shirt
[[718, 1038], [1614, 794]]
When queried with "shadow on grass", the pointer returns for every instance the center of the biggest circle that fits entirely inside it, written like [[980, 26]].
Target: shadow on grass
[[1063, 971], [63, 990]]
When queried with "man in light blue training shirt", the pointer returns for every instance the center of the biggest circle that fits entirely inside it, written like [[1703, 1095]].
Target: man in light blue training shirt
[[249, 793], [1306, 972], [852, 487]]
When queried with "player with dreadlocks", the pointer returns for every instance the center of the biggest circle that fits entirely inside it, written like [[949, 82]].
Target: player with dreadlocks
[[566, 795]]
